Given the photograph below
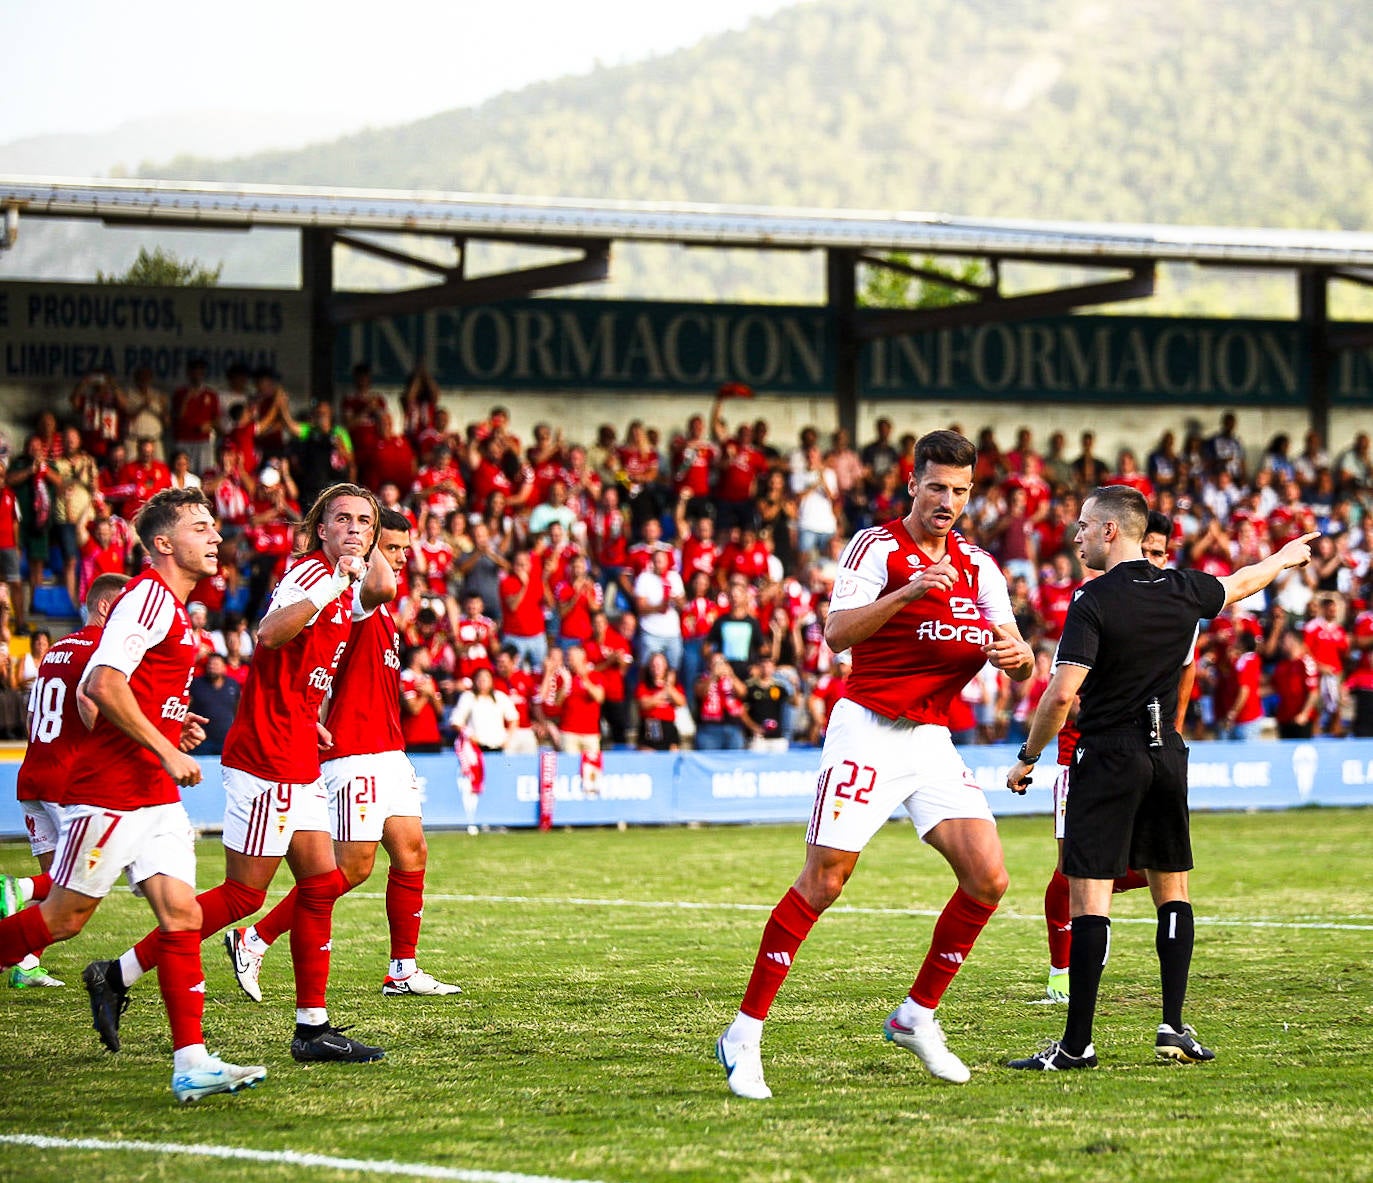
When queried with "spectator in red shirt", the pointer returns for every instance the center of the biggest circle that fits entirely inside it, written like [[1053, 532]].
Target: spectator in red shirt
[[581, 706], [195, 416], [1130, 474], [694, 457], [521, 686], [9, 546], [546, 461], [1053, 596], [421, 704], [741, 464], [439, 485], [145, 475], [388, 457], [523, 625], [658, 698], [1360, 683], [828, 690], [1242, 717], [489, 476], [700, 551], [1296, 682], [575, 598], [609, 653], [719, 707], [636, 468], [1328, 644]]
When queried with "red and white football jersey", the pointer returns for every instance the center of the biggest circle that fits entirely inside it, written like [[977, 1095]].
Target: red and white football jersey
[[56, 733], [915, 664], [434, 559], [1327, 643], [1052, 600], [364, 711], [273, 735], [148, 639], [478, 638]]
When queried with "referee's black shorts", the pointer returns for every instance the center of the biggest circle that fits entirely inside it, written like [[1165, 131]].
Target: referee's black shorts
[[1127, 807]]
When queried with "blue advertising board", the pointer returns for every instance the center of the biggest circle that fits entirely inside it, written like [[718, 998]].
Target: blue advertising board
[[650, 788]]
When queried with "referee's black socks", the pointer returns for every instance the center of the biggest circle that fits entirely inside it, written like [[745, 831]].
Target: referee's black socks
[[1174, 944], [1086, 959]]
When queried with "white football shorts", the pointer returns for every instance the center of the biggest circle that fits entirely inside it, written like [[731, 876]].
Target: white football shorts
[[98, 844], [871, 764], [365, 790], [1061, 799], [43, 821], [260, 816]]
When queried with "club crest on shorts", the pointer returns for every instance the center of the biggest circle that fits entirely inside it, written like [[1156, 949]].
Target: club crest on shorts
[[93, 857], [282, 819]]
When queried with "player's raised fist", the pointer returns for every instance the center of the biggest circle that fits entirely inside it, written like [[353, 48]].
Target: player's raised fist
[[351, 567]]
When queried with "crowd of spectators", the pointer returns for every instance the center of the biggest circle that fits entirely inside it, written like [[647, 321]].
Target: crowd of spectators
[[633, 589]]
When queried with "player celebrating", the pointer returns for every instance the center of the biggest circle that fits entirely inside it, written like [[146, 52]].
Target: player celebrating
[[56, 732], [922, 610], [275, 801], [374, 795], [125, 810]]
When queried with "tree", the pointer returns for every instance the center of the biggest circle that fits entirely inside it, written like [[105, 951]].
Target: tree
[[162, 269], [892, 287]]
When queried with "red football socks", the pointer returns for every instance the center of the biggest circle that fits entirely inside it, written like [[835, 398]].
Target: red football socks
[[789, 925], [1129, 881], [219, 908], [279, 920], [311, 934], [182, 983], [1059, 920], [955, 931], [21, 934], [404, 908]]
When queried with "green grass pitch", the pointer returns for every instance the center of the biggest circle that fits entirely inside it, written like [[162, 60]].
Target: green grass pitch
[[599, 966]]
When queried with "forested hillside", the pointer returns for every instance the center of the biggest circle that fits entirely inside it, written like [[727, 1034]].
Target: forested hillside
[[1190, 111]]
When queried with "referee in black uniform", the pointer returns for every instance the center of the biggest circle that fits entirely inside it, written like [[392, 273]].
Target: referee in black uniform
[[1126, 636]]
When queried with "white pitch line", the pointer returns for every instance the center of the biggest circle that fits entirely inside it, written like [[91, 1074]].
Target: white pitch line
[[293, 1158], [697, 906]]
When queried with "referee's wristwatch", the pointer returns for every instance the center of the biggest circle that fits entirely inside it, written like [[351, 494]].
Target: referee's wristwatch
[[1025, 758]]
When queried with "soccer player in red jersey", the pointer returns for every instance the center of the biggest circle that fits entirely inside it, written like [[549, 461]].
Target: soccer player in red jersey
[[56, 732], [922, 610], [124, 810], [275, 799], [374, 794]]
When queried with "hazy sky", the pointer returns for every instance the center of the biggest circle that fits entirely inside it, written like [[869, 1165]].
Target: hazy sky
[[88, 65]]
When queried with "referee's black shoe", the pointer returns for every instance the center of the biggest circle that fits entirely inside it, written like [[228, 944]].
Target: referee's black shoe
[[1054, 1059], [314, 1045], [1182, 1046]]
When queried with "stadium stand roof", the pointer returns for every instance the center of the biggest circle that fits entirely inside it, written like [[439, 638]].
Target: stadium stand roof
[[174, 203], [330, 217]]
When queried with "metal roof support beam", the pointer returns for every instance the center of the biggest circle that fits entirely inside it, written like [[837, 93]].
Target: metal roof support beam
[[395, 256], [317, 278], [841, 287], [1313, 298], [873, 324], [987, 291], [487, 289]]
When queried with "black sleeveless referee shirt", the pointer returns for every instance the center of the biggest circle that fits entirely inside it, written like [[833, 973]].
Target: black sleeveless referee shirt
[[1132, 628]]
